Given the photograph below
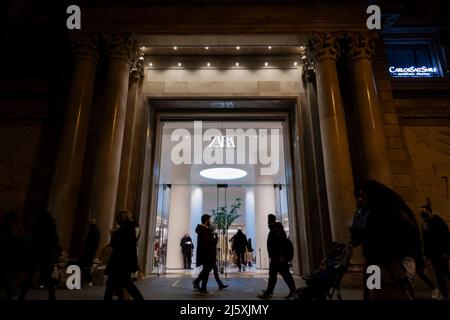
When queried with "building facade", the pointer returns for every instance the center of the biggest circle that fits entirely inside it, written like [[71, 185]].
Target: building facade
[[82, 111]]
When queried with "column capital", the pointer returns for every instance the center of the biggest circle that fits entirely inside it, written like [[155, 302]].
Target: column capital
[[360, 45], [120, 46], [324, 45], [137, 64], [84, 46], [308, 68]]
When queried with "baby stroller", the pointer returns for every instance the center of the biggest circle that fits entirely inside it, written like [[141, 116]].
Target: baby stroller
[[326, 280]]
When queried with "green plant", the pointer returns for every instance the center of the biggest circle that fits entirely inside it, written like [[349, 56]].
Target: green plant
[[224, 217]]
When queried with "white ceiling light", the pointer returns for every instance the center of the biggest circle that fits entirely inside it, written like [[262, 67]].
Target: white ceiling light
[[175, 48], [208, 64], [237, 64], [206, 48], [223, 173], [237, 48], [150, 64], [269, 47], [266, 64], [295, 63], [179, 64]]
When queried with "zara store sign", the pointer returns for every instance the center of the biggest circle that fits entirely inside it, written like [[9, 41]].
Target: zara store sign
[[413, 72]]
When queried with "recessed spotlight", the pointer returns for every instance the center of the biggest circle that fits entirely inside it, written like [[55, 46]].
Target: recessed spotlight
[[150, 64], [206, 48], [302, 48], [175, 48], [179, 64], [208, 64], [266, 64], [143, 48], [269, 47], [237, 64], [237, 48], [295, 63]]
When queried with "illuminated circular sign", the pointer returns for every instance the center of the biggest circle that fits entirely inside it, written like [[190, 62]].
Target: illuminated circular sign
[[223, 173]]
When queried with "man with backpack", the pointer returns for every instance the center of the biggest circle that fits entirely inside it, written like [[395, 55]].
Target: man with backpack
[[281, 252], [436, 246]]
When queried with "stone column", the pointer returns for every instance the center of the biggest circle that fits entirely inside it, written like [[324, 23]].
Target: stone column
[[179, 214], [132, 139], [336, 153], [69, 165], [375, 160], [119, 49]]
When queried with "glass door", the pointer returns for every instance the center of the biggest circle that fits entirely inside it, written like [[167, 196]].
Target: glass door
[[161, 232]]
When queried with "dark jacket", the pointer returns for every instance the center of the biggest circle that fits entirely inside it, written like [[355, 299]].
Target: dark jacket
[[206, 246], [186, 245], [387, 235], [123, 258], [276, 241], [239, 242], [46, 249], [90, 245], [435, 237]]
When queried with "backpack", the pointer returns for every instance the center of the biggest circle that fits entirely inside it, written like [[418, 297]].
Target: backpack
[[288, 249]]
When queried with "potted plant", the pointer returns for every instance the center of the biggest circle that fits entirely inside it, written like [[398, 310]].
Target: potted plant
[[223, 218]]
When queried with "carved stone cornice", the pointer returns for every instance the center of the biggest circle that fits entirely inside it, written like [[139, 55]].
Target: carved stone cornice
[[84, 46], [120, 46], [324, 45], [360, 45]]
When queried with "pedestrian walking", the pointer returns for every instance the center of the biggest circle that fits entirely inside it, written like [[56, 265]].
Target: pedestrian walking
[[280, 254]]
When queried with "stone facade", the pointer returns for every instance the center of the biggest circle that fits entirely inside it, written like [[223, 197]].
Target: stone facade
[[80, 141]]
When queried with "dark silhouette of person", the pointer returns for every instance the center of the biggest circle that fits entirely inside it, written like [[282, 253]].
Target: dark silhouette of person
[[89, 250], [387, 230], [123, 261], [436, 246], [187, 246], [278, 259], [11, 242], [239, 246], [250, 251], [420, 270], [45, 253], [216, 269], [206, 252]]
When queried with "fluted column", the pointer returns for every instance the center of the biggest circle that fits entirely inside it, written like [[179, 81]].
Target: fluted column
[[336, 153], [67, 177], [375, 160], [132, 138], [119, 52]]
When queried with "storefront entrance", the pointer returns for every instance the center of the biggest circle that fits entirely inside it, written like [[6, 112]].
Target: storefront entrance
[[233, 170]]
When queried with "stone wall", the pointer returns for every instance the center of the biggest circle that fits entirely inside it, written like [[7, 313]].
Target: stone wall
[[402, 177], [18, 146], [226, 83]]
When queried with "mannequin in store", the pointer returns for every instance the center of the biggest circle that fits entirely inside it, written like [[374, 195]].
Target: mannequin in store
[[187, 246]]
